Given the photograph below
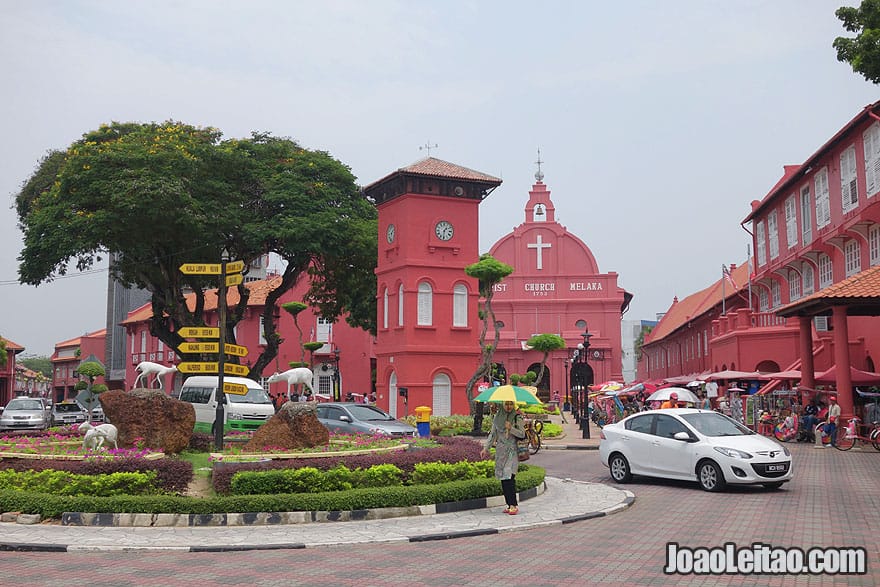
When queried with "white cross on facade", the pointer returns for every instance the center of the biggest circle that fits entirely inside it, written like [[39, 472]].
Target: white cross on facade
[[539, 246]]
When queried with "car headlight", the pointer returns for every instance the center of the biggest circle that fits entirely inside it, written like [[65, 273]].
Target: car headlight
[[785, 451], [234, 416], [733, 453]]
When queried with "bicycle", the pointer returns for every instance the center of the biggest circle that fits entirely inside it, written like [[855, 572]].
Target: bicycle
[[847, 435], [533, 434]]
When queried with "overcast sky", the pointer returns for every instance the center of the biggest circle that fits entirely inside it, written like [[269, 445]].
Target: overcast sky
[[658, 122]]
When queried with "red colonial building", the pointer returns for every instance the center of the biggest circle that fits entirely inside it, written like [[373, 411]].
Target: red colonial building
[[7, 371], [67, 358], [557, 288], [816, 231]]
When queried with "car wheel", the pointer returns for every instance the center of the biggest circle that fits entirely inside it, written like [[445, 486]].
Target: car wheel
[[710, 476], [619, 467], [775, 485]]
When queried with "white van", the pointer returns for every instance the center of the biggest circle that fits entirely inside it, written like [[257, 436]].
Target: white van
[[242, 412]]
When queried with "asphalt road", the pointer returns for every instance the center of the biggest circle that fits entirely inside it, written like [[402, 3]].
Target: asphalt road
[[833, 501]]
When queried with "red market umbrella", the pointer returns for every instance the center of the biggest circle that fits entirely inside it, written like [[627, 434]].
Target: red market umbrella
[[790, 374], [856, 376]]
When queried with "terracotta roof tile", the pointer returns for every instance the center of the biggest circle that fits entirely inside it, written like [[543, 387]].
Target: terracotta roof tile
[[683, 311], [864, 285], [11, 346], [432, 167]]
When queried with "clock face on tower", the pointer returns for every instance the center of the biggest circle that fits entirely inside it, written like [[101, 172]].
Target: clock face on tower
[[443, 230], [389, 234]]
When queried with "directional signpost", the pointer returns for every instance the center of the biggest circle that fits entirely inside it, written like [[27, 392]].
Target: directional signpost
[[230, 275]]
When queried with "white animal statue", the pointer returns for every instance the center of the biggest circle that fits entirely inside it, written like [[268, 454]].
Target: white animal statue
[[96, 435], [293, 376], [147, 368]]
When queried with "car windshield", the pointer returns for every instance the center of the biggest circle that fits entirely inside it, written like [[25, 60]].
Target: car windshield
[[368, 413], [253, 396], [713, 424], [25, 404], [69, 408]]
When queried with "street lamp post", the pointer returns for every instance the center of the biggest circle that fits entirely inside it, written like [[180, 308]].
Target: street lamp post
[[566, 405], [583, 349]]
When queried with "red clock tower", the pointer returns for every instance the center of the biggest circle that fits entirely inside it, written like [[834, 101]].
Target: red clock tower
[[427, 327]]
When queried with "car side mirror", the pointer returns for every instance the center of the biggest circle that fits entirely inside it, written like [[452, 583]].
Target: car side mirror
[[682, 436], [345, 418]]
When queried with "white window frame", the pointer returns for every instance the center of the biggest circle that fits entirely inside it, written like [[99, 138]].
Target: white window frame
[[871, 140], [773, 234], [441, 388], [143, 341], [791, 232], [874, 244], [392, 393], [385, 308], [263, 340], [826, 271], [426, 304], [806, 215], [323, 330], [760, 243], [775, 294], [808, 279], [400, 305], [823, 202], [794, 285], [852, 255], [705, 343], [763, 300], [459, 305], [849, 185]]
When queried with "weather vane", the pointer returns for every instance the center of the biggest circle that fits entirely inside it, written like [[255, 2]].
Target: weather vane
[[539, 175], [427, 147]]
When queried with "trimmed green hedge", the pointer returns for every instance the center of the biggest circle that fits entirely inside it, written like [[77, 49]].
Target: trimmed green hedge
[[52, 506]]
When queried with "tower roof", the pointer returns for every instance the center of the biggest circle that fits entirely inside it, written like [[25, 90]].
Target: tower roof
[[429, 176]]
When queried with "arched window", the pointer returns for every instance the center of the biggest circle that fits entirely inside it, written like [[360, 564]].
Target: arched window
[[385, 308], [392, 394], [794, 285], [808, 278], [426, 304], [400, 305], [442, 395], [459, 305]]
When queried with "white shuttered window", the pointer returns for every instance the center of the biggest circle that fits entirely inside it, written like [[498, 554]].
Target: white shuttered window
[[806, 215], [791, 232], [823, 206], [849, 187], [459, 305], [426, 304], [872, 159], [773, 234]]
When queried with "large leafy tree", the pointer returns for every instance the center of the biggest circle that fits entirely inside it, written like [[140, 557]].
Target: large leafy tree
[[863, 51], [160, 195]]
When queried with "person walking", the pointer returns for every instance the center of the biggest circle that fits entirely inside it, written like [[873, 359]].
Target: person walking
[[507, 428], [672, 402]]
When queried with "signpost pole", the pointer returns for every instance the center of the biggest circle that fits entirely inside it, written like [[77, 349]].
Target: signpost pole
[[219, 419]]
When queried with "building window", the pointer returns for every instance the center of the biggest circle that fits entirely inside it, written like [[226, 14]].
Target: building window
[[761, 244], [826, 271], [132, 345], [392, 394], [874, 244], [459, 305], [161, 347], [763, 300], [775, 294], [442, 388], [400, 305], [791, 235], [426, 305], [806, 215], [849, 188], [872, 159], [773, 234], [705, 343], [262, 331], [324, 329], [143, 341], [794, 285], [852, 257], [808, 277], [823, 206], [385, 308]]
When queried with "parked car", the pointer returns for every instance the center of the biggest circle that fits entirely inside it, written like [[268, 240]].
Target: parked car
[[25, 413], [68, 412], [352, 418], [693, 445], [97, 414]]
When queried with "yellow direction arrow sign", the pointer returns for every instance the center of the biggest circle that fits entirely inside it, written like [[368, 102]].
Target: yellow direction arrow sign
[[200, 268], [199, 332], [198, 367], [234, 349], [199, 347], [235, 388], [234, 279], [235, 267], [233, 369]]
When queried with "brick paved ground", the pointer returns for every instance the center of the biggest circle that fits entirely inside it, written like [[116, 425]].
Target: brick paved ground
[[834, 501]]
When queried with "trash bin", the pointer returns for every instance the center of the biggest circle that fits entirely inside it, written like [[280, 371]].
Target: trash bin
[[423, 421]]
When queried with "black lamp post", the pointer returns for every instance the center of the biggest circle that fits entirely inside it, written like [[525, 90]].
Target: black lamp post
[[566, 405], [337, 392], [583, 351]]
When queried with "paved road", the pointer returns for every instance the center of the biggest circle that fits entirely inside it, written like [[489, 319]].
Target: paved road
[[834, 501]]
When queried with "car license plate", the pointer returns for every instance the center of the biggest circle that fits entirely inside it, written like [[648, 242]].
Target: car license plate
[[774, 468]]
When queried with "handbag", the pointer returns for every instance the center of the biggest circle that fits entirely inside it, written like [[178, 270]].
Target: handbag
[[522, 450]]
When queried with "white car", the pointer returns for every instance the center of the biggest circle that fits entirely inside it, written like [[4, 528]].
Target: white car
[[693, 445]]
